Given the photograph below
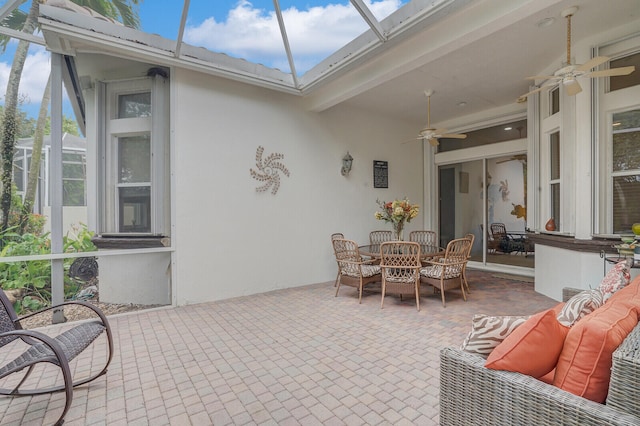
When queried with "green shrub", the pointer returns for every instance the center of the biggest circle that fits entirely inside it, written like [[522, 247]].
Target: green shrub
[[33, 278]]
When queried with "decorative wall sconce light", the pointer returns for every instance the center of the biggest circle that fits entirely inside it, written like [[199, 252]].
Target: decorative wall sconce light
[[347, 162]]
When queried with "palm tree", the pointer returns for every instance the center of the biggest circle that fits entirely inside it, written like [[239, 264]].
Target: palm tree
[[125, 11]]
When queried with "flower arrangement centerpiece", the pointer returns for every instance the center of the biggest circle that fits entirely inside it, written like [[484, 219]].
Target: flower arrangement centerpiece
[[397, 212]]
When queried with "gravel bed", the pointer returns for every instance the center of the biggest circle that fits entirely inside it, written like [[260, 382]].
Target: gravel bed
[[76, 312]]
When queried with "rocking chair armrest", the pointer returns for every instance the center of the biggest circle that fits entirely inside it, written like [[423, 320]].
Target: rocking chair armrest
[[90, 306], [47, 340]]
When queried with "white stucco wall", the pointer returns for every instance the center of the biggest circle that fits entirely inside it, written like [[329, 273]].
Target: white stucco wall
[[231, 240], [557, 268]]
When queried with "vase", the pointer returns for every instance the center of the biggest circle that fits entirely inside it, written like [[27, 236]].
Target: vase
[[398, 230], [550, 225]]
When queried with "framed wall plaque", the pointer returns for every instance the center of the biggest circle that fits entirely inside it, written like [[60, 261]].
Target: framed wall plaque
[[380, 174]]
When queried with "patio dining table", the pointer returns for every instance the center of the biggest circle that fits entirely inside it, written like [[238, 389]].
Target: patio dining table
[[427, 252]]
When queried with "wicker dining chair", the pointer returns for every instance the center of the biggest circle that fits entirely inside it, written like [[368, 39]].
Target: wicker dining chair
[[353, 271], [400, 264], [446, 273], [428, 238], [379, 237], [58, 350], [335, 236], [471, 238]]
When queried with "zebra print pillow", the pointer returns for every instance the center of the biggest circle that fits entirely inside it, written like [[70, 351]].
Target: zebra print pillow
[[580, 305], [487, 331]]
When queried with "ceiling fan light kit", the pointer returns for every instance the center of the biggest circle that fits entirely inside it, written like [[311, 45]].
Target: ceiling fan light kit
[[568, 75]]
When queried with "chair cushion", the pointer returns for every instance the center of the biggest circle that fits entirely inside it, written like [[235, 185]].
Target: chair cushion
[[435, 271], [617, 278], [579, 306], [488, 331], [533, 348], [367, 271]]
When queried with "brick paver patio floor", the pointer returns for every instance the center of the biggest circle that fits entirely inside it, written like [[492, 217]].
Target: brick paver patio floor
[[288, 357]]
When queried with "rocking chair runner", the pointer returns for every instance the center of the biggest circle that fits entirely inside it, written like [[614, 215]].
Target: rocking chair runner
[[57, 350]]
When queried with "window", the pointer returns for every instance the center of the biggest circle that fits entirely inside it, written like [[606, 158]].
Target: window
[[624, 81], [554, 101], [618, 103], [136, 168], [73, 178], [625, 170], [554, 178]]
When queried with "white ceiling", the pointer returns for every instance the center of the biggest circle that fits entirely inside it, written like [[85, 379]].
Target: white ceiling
[[489, 71]]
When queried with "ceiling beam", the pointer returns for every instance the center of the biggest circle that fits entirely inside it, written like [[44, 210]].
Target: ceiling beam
[[183, 21], [22, 36], [369, 18], [9, 7], [285, 40]]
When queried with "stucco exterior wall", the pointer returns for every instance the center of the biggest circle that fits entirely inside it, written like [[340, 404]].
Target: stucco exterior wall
[[231, 240]]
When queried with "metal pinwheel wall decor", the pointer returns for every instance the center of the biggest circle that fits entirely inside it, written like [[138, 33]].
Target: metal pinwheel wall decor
[[268, 171]]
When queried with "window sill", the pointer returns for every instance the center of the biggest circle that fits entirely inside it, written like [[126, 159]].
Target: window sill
[[569, 242], [128, 242]]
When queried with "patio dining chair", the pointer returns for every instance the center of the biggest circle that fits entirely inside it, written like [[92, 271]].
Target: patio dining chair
[[353, 271], [427, 238], [42, 348], [400, 264], [447, 272], [379, 237], [471, 238], [335, 236]]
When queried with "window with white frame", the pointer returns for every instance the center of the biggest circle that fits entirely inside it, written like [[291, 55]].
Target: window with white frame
[[135, 169], [618, 104], [554, 177], [551, 170]]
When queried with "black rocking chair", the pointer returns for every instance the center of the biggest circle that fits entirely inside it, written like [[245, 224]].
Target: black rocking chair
[[59, 350]]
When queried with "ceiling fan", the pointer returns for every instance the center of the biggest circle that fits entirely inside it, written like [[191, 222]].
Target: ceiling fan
[[432, 135], [568, 74]]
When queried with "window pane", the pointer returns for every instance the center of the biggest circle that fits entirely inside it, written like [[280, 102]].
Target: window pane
[[554, 101], [486, 136], [18, 174], [626, 141], [72, 171], [135, 209], [555, 204], [626, 193], [624, 81], [555, 155], [134, 105], [134, 159], [73, 193]]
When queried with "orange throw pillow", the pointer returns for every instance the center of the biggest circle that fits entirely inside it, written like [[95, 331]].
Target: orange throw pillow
[[584, 366], [533, 348]]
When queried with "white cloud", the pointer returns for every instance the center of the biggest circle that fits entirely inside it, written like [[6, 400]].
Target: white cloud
[[314, 33], [34, 75]]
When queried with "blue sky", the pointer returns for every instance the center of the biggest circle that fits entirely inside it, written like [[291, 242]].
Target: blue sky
[[239, 28]]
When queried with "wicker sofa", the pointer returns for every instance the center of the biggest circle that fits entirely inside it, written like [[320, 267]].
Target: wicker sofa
[[471, 394]]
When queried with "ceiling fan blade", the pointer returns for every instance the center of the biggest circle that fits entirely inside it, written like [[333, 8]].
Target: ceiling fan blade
[[453, 136], [433, 141], [612, 72], [573, 88], [592, 63], [439, 131], [541, 77], [544, 86]]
